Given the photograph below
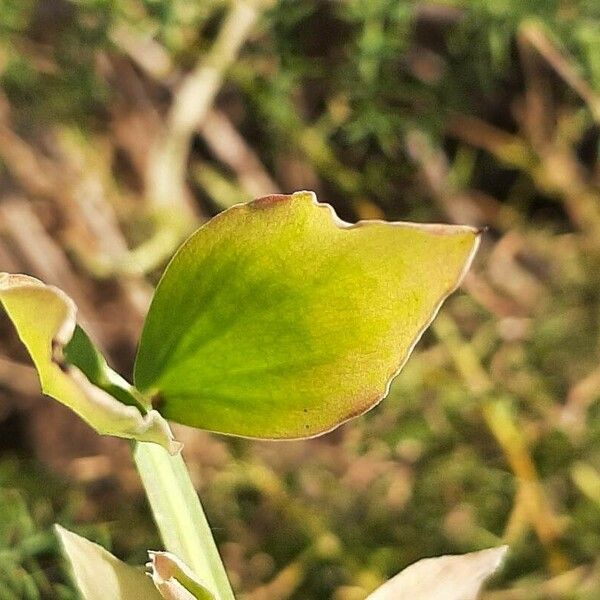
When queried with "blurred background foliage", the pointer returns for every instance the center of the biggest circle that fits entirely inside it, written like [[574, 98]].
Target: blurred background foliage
[[125, 124]]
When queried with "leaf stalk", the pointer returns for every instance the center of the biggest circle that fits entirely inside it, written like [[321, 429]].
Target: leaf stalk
[[180, 517]]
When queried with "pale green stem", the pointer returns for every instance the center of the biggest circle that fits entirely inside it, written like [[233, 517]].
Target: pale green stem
[[180, 517]]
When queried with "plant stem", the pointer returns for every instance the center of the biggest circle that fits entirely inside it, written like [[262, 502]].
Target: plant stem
[[179, 515]]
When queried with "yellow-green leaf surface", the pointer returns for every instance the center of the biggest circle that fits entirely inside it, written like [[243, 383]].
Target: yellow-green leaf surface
[[75, 374], [101, 576], [278, 320], [453, 577]]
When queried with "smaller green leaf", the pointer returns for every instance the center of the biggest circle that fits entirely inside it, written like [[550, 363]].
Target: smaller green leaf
[[70, 368], [101, 576], [81, 352], [174, 579], [455, 577]]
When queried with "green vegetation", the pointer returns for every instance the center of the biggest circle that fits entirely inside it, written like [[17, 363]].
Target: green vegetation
[[273, 321], [465, 112], [323, 301]]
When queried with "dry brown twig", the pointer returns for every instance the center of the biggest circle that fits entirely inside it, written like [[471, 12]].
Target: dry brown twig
[[69, 187], [231, 149], [554, 168], [168, 199], [533, 34], [46, 260], [530, 501], [217, 130], [572, 415]]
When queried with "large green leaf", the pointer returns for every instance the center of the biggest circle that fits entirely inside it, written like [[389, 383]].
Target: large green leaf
[[278, 320], [453, 577], [101, 576], [70, 368]]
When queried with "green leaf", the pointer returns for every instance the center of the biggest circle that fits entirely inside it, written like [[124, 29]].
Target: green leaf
[[278, 320], [101, 576], [81, 352], [70, 369], [174, 579], [458, 577]]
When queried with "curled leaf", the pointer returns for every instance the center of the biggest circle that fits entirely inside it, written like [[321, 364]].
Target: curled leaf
[[278, 320], [454, 577], [101, 576], [70, 369], [174, 579]]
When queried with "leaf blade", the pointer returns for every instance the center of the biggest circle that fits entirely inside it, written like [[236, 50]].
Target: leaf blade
[[278, 320], [100, 575], [45, 320], [452, 577]]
